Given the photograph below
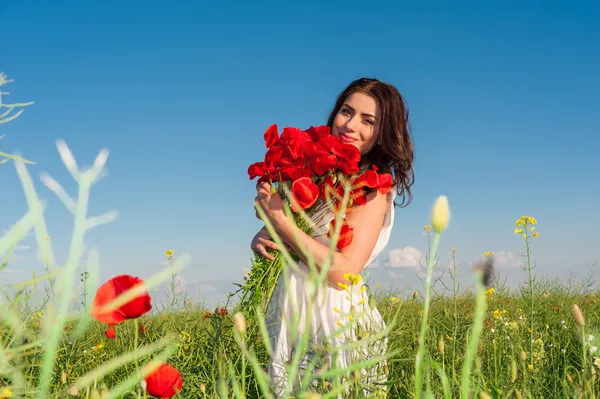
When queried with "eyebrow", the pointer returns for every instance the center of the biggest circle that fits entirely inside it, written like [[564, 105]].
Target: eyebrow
[[363, 114]]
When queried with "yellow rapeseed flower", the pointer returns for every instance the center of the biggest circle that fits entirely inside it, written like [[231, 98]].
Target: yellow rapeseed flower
[[354, 279], [336, 310], [6, 393], [342, 285], [427, 228], [169, 254], [487, 253]]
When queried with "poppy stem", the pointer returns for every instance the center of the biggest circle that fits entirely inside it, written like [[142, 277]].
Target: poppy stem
[[135, 348]]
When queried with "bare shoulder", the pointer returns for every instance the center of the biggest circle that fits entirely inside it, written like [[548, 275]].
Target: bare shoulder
[[376, 206]]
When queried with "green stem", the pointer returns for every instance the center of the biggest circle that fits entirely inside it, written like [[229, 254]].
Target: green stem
[[480, 307], [424, 321]]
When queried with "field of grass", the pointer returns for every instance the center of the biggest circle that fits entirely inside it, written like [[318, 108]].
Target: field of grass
[[487, 341], [512, 359]]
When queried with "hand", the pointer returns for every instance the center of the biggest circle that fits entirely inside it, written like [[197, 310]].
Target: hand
[[261, 240], [271, 204]]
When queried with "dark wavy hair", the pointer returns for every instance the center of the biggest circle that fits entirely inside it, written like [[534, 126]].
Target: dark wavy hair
[[393, 151]]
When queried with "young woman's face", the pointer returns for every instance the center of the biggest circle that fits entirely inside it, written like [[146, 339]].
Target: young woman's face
[[357, 122]]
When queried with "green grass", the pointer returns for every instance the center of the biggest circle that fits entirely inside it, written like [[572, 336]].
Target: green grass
[[205, 345]]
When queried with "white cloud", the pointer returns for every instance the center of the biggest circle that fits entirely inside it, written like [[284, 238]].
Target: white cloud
[[507, 259], [405, 257], [504, 260]]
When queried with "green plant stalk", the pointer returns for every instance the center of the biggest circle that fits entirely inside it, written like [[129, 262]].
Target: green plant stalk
[[480, 307], [425, 320], [69, 272], [531, 298]]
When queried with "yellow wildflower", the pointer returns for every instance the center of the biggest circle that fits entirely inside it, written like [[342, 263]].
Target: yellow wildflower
[[427, 228], [487, 253], [353, 278], [336, 310], [6, 393], [363, 289], [169, 254], [490, 291], [362, 301], [339, 323], [518, 231], [342, 285]]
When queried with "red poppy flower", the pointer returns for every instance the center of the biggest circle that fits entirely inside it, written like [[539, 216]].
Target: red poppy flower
[[111, 290], [346, 234], [385, 183], [256, 169], [271, 136], [110, 333], [305, 193], [164, 382]]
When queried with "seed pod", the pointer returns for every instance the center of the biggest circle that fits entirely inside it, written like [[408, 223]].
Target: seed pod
[[513, 370], [239, 322], [440, 214], [371, 301], [579, 319], [441, 346]]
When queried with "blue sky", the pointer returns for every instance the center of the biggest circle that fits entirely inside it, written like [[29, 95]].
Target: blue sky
[[503, 101]]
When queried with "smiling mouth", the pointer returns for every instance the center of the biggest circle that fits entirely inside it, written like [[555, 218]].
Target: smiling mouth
[[347, 138]]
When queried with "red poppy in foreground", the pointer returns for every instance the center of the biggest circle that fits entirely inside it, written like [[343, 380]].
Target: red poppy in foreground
[[111, 333], [164, 382], [111, 290]]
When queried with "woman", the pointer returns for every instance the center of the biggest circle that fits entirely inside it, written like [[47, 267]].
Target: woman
[[372, 116]]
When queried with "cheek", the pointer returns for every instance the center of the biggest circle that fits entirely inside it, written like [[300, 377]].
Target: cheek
[[335, 128]]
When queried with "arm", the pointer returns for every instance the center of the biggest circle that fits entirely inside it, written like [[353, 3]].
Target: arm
[[366, 221]]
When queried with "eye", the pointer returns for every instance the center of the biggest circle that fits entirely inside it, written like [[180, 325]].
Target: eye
[[369, 122], [345, 111]]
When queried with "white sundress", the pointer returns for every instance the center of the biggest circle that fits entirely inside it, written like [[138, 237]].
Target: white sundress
[[332, 310]]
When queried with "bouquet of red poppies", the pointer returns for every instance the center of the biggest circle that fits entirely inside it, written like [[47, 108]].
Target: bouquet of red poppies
[[316, 168]]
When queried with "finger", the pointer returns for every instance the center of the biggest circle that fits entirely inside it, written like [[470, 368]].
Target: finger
[[262, 193], [265, 186], [270, 244], [261, 250]]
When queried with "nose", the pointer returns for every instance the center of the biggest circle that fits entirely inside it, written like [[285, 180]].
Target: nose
[[351, 124]]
